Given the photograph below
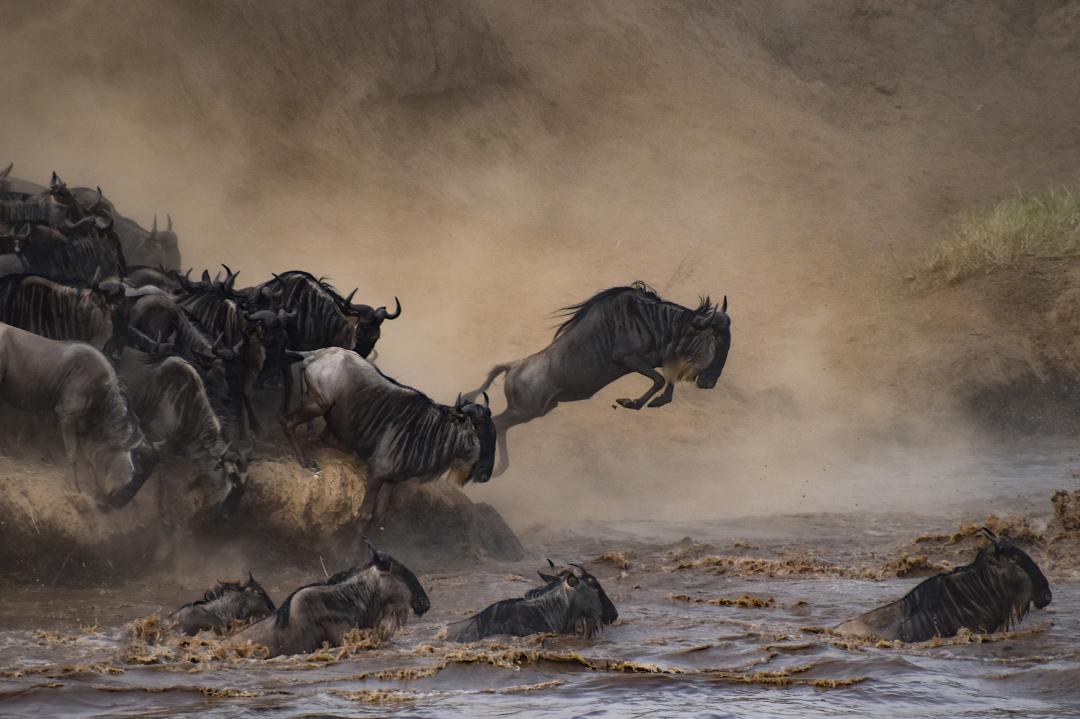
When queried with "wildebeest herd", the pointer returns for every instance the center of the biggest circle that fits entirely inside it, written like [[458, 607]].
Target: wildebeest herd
[[110, 350]]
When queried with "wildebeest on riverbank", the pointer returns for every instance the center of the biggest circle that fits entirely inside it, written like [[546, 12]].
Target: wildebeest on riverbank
[[618, 331], [570, 602], [376, 596], [77, 385], [398, 431], [993, 593]]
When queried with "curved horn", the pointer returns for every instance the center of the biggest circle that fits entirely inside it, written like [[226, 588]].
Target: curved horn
[[460, 401], [551, 563], [487, 400], [374, 551], [251, 579], [84, 222], [724, 307], [994, 539], [55, 182], [168, 218], [382, 314], [348, 300], [153, 229], [206, 277], [6, 171], [100, 196]]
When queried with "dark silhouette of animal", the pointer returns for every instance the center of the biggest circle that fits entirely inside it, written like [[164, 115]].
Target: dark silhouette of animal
[[74, 383], [618, 331], [396, 430], [223, 606], [323, 318], [993, 593], [376, 596], [172, 404], [570, 602], [96, 314]]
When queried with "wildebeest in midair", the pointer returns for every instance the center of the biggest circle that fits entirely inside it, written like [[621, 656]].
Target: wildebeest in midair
[[74, 383], [618, 331], [224, 605], [376, 596], [570, 602], [993, 593], [398, 431], [172, 404], [95, 313]]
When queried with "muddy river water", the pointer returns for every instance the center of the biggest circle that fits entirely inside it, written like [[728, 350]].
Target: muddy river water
[[724, 618]]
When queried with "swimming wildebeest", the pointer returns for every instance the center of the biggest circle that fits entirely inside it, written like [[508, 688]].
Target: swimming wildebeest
[[376, 596], [398, 431], [992, 593], [97, 314], [616, 332], [76, 384], [570, 602], [176, 414], [223, 605]]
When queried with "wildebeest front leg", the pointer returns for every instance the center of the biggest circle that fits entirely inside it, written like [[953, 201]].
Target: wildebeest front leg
[[372, 489], [640, 366], [665, 396], [310, 407], [71, 446]]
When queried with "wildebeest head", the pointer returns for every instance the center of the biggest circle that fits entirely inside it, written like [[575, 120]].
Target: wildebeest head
[[715, 323], [233, 465], [478, 416], [1004, 551], [164, 244], [587, 606], [257, 603], [392, 576], [368, 322]]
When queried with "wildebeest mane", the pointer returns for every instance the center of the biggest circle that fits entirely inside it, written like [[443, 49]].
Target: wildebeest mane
[[339, 599], [424, 431], [577, 312], [969, 596], [219, 590]]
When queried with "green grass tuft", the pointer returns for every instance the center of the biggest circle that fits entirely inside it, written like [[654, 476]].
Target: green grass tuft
[[1016, 229]]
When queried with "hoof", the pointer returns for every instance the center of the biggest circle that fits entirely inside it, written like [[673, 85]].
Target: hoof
[[629, 403]]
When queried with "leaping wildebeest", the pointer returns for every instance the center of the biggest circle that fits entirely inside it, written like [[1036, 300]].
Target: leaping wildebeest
[[993, 593], [616, 332], [570, 602], [377, 596], [399, 432], [76, 384]]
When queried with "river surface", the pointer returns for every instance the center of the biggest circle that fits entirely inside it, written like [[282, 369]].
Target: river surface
[[73, 652]]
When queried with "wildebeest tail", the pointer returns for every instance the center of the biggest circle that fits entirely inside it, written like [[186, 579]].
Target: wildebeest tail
[[495, 372]]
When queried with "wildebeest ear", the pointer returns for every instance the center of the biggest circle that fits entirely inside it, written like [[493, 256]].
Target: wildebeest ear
[[251, 579]]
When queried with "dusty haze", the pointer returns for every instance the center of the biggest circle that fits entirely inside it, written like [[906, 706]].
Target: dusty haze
[[490, 162]]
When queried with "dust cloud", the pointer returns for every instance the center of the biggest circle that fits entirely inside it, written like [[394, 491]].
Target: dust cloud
[[489, 162]]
